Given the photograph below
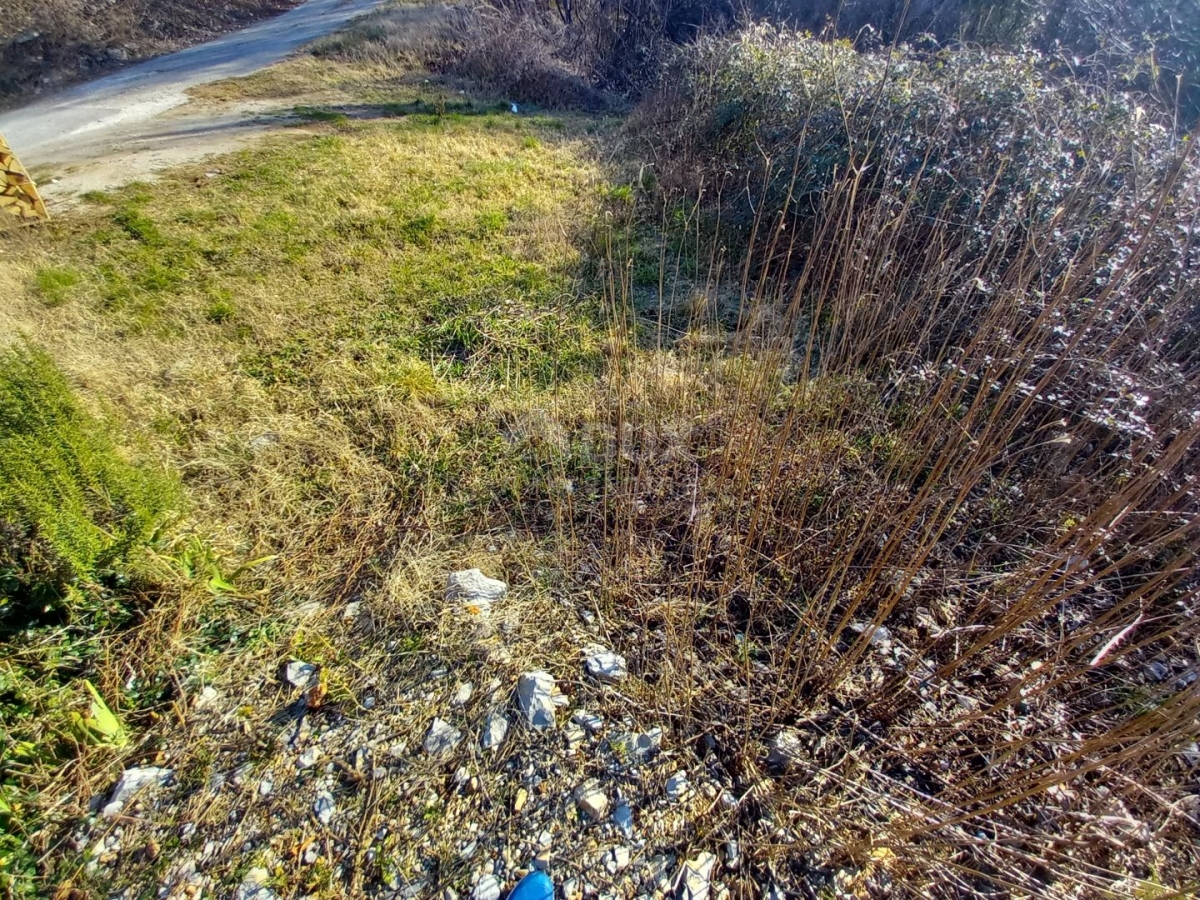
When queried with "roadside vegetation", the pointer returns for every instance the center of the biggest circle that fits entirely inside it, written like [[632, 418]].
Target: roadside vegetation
[[850, 391], [46, 44]]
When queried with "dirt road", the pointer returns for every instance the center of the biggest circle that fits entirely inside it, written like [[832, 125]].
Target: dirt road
[[126, 125]]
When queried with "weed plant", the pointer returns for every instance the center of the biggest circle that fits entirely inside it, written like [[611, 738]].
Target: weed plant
[[901, 466]]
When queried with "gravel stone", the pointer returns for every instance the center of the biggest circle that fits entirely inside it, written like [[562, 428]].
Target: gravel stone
[[592, 801], [589, 722], [785, 749], [207, 697], [495, 730], [256, 886], [604, 665], [678, 786], [463, 694], [657, 873], [324, 808], [636, 748], [623, 818], [470, 587], [535, 695], [696, 877], [616, 860], [574, 736], [300, 674], [131, 783], [442, 738], [879, 635], [487, 888], [1157, 671]]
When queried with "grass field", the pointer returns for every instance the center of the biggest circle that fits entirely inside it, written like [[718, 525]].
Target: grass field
[[345, 343]]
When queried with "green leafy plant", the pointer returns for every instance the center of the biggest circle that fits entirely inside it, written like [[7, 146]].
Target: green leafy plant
[[100, 727], [74, 513], [198, 562]]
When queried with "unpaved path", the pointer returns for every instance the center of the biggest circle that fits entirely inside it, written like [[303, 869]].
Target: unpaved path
[[127, 125]]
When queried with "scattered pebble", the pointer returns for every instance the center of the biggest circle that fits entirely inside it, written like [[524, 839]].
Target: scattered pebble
[[879, 636], [658, 873], [463, 694], [495, 730], [442, 738], [207, 697], [784, 750], [589, 722], [616, 860], [299, 674], [309, 757], [604, 665], [487, 888], [324, 808], [133, 782], [623, 818], [592, 801], [636, 748], [678, 787], [256, 885], [474, 591], [535, 695], [574, 736], [696, 877]]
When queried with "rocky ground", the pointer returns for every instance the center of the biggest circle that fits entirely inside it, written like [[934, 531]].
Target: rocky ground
[[504, 732], [434, 779]]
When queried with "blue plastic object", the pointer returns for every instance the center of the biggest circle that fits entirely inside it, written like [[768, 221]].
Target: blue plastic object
[[534, 886]]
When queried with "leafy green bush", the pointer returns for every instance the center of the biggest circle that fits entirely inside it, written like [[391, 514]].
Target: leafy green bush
[[73, 511], [967, 125], [975, 147], [1151, 46]]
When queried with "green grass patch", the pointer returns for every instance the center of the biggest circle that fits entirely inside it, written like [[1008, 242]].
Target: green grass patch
[[332, 330], [74, 512], [57, 285]]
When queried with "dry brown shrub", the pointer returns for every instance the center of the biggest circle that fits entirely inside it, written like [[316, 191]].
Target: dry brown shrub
[[520, 57]]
